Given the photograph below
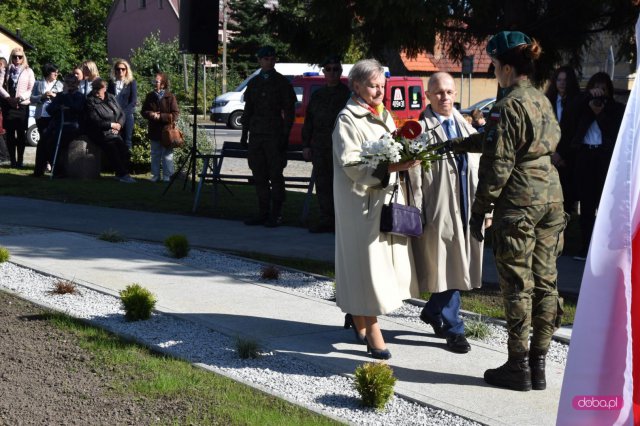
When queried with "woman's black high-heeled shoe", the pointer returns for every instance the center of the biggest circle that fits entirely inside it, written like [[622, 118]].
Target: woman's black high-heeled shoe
[[348, 322], [378, 353]]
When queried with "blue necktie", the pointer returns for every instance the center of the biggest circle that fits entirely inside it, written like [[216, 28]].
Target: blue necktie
[[461, 161]]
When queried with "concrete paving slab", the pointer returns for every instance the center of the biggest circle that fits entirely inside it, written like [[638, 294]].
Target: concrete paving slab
[[305, 327]]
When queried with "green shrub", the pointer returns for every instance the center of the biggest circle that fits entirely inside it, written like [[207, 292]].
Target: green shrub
[[111, 236], [4, 254], [247, 348], [477, 329], [374, 382], [178, 246], [138, 302]]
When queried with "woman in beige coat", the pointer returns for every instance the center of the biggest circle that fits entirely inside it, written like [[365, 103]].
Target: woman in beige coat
[[374, 271]]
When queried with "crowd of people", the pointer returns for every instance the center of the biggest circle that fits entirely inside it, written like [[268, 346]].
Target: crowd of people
[[81, 105]]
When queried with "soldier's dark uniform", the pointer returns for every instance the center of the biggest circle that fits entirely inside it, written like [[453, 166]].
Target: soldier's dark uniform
[[520, 185], [320, 117], [268, 117]]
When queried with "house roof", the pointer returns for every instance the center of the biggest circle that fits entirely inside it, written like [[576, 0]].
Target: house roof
[[438, 61], [16, 38]]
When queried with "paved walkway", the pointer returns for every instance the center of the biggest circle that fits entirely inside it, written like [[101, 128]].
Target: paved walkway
[[306, 327]]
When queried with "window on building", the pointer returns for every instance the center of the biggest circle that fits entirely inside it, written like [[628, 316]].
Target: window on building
[[159, 4], [124, 5], [143, 4]]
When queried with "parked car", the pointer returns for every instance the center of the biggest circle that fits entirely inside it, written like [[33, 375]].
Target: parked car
[[484, 105], [32, 131]]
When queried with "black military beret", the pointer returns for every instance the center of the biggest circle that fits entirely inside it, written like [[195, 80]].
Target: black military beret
[[333, 59], [266, 51], [506, 40]]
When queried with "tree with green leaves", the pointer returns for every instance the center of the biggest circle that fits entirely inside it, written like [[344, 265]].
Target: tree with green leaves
[[250, 28], [63, 32], [384, 27]]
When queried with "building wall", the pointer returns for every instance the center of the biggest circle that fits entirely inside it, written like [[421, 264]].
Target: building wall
[[127, 29], [7, 44], [481, 88]]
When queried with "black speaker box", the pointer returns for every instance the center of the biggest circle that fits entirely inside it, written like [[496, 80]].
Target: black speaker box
[[199, 26]]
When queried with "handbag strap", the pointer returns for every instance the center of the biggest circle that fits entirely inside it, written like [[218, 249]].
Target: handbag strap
[[394, 194]]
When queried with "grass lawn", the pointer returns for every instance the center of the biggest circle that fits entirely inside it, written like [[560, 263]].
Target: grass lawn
[[147, 196], [211, 398]]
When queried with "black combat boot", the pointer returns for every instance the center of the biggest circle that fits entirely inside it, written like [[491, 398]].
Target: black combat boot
[[514, 374], [537, 365]]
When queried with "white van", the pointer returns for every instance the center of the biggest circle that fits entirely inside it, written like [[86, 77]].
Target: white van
[[228, 107]]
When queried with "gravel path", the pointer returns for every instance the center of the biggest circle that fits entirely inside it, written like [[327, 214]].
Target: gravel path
[[276, 372]]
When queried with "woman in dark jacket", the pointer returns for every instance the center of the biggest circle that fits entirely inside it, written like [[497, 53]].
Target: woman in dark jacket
[[160, 107], [562, 92], [125, 89], [104, 120]]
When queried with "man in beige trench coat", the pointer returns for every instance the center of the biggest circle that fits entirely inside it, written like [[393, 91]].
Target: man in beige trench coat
[[447, 259]]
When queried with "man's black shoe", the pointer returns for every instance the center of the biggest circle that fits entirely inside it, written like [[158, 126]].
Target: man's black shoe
[[458, 344], [273, 222], [258, 220], [435, 324]]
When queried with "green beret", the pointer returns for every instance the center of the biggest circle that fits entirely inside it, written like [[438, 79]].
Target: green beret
[[505, 41], [266, 51]]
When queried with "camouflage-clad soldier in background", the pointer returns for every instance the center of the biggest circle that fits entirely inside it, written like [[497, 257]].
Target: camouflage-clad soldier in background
[[320, 117], [268, 117], [518, 182]]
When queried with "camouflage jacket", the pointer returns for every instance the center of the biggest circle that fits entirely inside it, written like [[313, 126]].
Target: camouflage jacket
[[269, 104], [320, 117], [519, 138]]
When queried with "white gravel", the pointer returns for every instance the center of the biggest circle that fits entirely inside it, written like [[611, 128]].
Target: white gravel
[[280, 373]]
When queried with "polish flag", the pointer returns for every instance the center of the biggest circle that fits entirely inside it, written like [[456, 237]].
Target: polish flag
[[603, 364]]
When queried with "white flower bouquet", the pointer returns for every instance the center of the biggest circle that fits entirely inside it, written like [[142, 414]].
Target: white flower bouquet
[[406, 143]]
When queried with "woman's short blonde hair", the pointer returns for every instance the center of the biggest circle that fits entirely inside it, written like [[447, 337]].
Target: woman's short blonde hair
[[92, 68], [128, 76], [364, 70], [19, 51]]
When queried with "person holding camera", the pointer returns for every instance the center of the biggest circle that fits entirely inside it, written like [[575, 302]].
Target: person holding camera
[[597, 118]]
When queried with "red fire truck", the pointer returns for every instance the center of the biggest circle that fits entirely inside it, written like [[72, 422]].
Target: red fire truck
[[404, 98]]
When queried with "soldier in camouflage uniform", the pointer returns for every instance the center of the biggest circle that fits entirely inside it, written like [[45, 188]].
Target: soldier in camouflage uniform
[[520, 185], [268, 117], [323, 108]]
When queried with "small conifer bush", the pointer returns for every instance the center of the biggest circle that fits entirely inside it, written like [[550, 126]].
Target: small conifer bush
[[4, 254], [138, 302], [374, 382], [178, 246], [247, 348], [111, 236], [64, 287], [270, 272]]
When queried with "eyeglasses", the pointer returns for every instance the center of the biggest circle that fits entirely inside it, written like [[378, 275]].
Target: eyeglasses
[[18, 56], [121, 69], [333, 69]]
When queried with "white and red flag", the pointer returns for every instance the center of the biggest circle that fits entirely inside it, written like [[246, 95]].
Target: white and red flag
[[602, 378]]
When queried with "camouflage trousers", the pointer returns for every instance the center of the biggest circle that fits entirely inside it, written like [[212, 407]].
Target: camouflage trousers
[[323, 167], [267, 162], [527, 242]]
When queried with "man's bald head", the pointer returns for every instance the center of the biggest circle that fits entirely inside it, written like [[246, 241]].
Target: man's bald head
[[441, 92]]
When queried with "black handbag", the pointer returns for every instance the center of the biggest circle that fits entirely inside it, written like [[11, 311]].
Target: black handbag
[[400, 219]]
